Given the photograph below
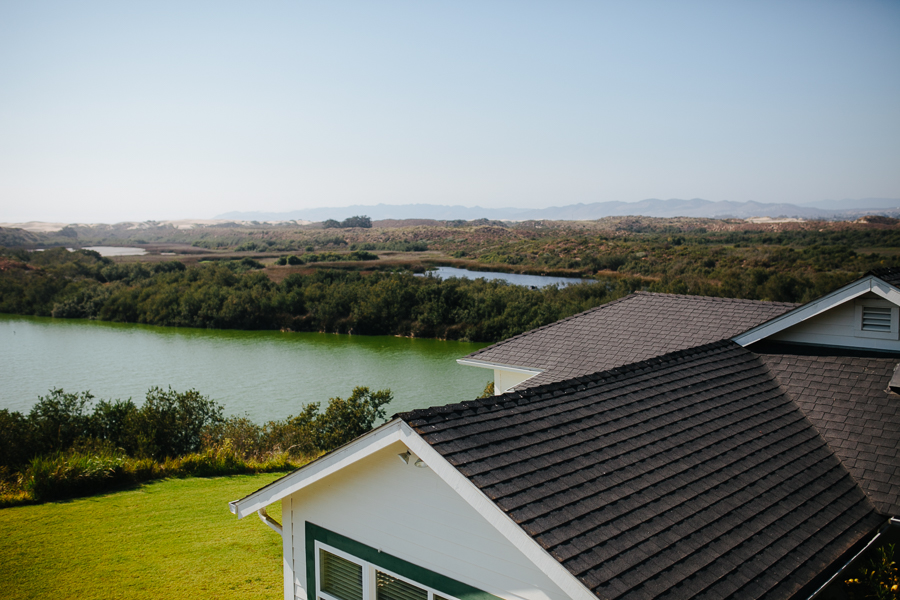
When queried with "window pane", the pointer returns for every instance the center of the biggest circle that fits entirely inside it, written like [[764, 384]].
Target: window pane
[[436, 597], [391, 588], [340, 577]]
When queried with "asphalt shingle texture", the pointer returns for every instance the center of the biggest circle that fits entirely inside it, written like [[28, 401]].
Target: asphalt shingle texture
[[690, 475], [847, 399], [890, 275], [634, 328]]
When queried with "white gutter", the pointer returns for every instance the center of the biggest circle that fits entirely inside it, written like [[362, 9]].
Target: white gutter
[[891, 521], [472, 362], [275, 525]]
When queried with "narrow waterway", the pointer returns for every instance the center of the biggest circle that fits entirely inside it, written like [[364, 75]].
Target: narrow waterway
[[265, 374], [535, 281]]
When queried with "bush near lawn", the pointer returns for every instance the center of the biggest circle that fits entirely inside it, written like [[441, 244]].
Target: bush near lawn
[[61, 449]]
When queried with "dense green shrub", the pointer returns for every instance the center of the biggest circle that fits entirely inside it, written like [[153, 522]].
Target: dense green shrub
[[345, 420], [63, 448], [401, 246], [362, 255], [171, 424], [17, 441], [58, 420], [250, 263], [309, 433], [357, 221]]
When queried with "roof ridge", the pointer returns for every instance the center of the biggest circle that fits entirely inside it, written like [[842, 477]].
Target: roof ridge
[[716, 298], [625, 370], [877, 271], [889, 275], [581, 381], [632, 295]]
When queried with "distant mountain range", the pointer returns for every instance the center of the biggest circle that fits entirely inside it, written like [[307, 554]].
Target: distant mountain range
[[826, 209]]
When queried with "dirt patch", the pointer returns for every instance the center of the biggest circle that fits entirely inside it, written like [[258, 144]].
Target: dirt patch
[[13, 265]]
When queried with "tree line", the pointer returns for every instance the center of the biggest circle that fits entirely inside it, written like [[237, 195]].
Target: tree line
[[235, 295], [239, 295], [67, 444], [357, 221]]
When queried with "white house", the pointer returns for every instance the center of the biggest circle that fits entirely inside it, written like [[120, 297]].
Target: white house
[[753, 464]]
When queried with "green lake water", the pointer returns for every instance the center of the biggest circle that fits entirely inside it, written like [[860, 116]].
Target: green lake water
[[265, 374]]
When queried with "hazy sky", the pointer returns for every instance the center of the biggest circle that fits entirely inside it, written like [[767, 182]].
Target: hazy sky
[[117, 110]]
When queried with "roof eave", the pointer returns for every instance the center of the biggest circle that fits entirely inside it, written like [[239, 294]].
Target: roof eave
[[486, 364]]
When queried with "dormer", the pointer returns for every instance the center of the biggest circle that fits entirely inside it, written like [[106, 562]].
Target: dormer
[[863, 315]]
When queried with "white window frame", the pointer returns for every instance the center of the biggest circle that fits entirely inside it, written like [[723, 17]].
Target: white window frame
[[893, 334], [368, 575]]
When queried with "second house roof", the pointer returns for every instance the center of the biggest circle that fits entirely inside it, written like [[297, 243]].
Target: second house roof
[[637, 327]]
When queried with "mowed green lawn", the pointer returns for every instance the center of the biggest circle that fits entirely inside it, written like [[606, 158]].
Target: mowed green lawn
[[167, 539]]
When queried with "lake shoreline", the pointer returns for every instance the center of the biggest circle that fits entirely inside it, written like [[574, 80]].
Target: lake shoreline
[[266, 374]]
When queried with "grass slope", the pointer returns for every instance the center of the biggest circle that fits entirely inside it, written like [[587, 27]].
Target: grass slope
[[168, 539]]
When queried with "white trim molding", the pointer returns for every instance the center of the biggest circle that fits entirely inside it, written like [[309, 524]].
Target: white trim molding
[[845, 294], [506, 377]]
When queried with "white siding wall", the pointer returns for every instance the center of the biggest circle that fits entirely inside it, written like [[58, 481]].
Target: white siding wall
[[836, 327], [411, 513], [505, 380]]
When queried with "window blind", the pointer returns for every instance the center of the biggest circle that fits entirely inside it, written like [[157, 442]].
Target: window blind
[[391, 588], [340, 577]]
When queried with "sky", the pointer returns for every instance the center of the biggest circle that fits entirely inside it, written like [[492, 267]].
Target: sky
[[114, 111]]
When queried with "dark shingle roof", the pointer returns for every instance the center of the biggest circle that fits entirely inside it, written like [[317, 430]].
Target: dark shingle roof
[[890, 275], [690, 475], [847, 399], [634, 328]]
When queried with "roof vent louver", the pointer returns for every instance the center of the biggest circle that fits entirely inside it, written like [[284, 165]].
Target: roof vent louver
[[876, 318], [894, 385]]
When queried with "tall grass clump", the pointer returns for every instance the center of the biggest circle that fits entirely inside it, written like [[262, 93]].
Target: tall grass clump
[[63, 475]]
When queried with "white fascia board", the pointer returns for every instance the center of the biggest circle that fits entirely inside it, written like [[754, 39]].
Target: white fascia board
[[816, 307], [496, 517], [886, 291], [471, 362], [306, 475]]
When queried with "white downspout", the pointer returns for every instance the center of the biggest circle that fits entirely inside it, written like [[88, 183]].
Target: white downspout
[[275, 525]]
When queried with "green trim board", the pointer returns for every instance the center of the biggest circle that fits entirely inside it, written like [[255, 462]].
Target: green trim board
[[436, 581]]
